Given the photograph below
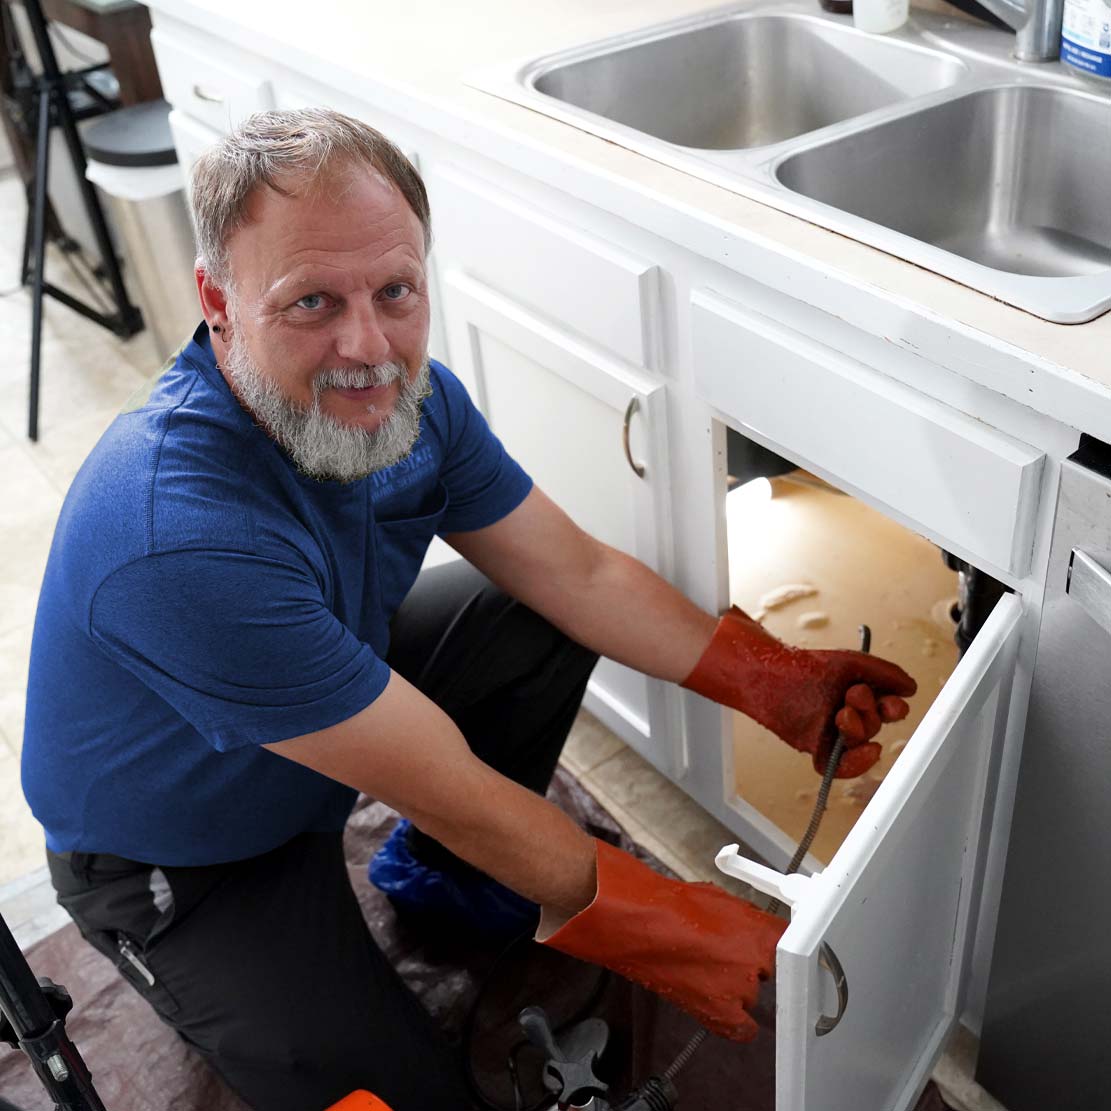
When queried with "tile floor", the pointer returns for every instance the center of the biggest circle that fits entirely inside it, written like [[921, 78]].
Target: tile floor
[[87, 375]]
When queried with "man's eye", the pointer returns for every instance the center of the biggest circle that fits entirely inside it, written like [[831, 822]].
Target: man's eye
[[311, 301], [396, 292]]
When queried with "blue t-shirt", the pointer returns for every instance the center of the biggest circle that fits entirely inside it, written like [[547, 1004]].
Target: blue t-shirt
[[202, 598]]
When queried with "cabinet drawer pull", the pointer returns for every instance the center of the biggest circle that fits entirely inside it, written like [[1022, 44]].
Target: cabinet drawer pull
[[1089, 584], [827, 958], [630, 409], [211, 98]]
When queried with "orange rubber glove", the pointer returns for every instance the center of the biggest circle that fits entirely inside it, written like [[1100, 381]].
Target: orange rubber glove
[[697, 946], [803, 696]]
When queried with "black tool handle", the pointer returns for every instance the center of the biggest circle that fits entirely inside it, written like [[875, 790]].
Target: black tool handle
[[31, 1022]]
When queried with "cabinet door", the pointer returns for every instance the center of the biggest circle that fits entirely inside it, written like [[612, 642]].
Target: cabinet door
[[895, 906], [592, 432]]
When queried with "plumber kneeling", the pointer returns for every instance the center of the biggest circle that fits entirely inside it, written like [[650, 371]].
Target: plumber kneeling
[[235, 638]]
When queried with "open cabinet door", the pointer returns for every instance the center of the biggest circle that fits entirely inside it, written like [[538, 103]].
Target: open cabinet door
[[893, 909]]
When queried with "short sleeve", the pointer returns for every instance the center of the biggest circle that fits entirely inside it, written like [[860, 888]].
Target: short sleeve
[[484, 483], [243, 647]]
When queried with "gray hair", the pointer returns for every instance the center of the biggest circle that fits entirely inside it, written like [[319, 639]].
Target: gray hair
[[279, 150]]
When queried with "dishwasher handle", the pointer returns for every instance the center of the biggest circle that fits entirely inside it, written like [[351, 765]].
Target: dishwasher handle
[[1089, 585]]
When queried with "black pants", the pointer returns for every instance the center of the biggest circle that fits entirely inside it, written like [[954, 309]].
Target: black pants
[[265, 965]]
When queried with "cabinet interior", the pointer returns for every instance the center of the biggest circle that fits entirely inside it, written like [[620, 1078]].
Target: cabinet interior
[[813, 564]]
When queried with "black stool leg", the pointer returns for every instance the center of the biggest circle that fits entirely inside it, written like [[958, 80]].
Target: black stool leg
[[25, 265], [38, 251], [128, 319], [54, 234]]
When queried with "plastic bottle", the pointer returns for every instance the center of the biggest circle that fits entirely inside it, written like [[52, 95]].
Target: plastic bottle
[[880, 16], [1086, 37]]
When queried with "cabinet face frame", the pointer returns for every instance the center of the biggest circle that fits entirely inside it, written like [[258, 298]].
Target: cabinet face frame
[[784, 391], [472, 310], [970, 487]]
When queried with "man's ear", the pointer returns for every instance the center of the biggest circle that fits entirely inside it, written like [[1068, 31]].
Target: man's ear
[[214, 302]]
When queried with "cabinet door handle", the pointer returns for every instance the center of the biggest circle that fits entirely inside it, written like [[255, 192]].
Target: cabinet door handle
[[1089, 585], [630, 409], [203, 94], [827, 958]]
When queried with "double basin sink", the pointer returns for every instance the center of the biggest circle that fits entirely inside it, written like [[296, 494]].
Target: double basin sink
[[930, 144]]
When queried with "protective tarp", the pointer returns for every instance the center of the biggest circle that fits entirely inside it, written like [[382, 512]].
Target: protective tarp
[[140, 1065]]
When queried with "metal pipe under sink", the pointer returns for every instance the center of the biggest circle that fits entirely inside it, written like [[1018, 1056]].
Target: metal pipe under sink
[[1037, 26]]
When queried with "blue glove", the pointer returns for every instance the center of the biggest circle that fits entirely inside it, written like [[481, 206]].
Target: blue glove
[[470, 900]]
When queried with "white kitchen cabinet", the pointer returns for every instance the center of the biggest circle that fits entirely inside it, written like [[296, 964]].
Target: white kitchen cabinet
[[555, 325], [592, 432]]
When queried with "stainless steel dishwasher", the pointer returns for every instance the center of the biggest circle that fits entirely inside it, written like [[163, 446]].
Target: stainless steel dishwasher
[[1046, 1039]]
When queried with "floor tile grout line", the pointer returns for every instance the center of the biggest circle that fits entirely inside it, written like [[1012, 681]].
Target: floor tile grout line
[[695, 865], [634, 826], [21, 884], [606, 759]]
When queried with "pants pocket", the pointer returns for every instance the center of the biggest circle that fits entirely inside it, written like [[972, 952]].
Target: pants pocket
[[133, 963]]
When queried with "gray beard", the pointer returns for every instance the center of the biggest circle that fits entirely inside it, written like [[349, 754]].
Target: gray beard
[[319, 445]]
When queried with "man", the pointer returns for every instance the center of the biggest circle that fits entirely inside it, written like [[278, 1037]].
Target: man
[[229, 645]]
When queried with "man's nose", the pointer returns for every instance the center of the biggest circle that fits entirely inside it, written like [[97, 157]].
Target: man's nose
[[362, 338]]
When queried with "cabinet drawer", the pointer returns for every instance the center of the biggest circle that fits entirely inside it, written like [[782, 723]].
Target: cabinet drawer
[[601, 292], [965, 484], [208, 90]]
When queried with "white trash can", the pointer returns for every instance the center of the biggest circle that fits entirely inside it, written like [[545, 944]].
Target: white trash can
[[131, 159]]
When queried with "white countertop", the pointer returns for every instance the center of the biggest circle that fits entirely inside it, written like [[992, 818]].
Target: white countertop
[[412, 60]]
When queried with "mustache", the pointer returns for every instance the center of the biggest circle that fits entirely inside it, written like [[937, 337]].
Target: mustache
[[358, 378]]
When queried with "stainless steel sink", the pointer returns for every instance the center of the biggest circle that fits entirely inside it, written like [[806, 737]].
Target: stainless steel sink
[[931, 144], [1014, 178], [738, 81]]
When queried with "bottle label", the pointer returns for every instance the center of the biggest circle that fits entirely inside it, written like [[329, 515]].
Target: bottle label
[[1086, 36]]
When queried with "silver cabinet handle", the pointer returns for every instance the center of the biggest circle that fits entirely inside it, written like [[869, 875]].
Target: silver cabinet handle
[[827, 958], [1089, 585], [630, 409], [212, 98]]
